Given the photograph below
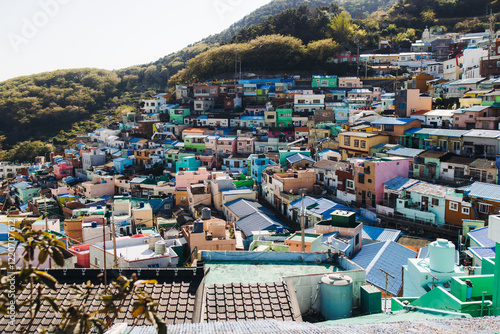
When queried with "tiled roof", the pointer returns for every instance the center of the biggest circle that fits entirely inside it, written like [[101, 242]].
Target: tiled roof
[[480, 236], [257, 221], [243, 301], [483, 190], [483, 163], [380, 234], [389, 256], [176, 299], [299, 157]]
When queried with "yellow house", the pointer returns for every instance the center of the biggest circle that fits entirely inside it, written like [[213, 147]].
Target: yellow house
[[473, 98], [358, 144]]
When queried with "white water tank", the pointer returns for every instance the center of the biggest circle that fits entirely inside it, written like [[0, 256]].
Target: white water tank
[[206, 213], [336, 296], [442, 256], [153, 238], [160, 247]]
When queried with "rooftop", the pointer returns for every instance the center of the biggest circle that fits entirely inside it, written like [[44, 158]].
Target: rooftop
[[393, 121], [405, 152], [425, 188], [483, 190]]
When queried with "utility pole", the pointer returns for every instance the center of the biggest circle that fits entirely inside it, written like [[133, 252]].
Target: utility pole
[[46, 223], [357, 67], [113, 231], [386, 283], [104, 253], [302, 227]]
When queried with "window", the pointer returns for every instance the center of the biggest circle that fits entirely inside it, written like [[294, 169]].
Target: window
[[97, 262], [454, 206], [356, 143], [435, 201], [349, 184], [356, 240], [402, 106], [363, 144], [465, 210], [483, 208], [361, 178], [388, 127], [347, 140], [456, 146]]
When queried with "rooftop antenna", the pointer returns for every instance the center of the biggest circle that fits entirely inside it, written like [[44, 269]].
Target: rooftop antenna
[[386, 283]]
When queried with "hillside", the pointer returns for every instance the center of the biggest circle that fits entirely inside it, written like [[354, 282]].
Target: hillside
[[55, 106]]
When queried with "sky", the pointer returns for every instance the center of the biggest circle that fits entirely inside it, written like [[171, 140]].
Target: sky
[[45, 35]]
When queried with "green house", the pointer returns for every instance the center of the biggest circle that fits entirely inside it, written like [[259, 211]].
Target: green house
[[284, 117], [177, 115], [195, 143], [324, 81]]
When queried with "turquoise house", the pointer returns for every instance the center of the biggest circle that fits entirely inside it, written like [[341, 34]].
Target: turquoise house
[[120, 164], [188, 163]]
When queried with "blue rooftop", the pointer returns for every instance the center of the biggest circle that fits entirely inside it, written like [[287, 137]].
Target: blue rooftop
[[405, 152], [258, 221], [483, 252], [22, 185], [480, 236], [380, 234], [256, 118], [242, 207], [389, 256], [324, 208], [483, 190], [294, 158], [134, 140], [393, 121], [399, 183]]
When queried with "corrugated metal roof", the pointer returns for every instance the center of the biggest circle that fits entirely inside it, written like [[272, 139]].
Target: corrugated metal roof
[[480, 236], [380, 234], [257, 221], [483, 252], [399, 183], [438, 132], [483, 190], [429, 189], [299, 157], [389, 256], [405, 152], [324, 208], [393, 121], [243, 207], [483, 133]]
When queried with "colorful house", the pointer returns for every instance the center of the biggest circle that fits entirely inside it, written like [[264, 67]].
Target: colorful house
[[324, 81], [195, 143], [226, 145], [394, 127], [358, 144]]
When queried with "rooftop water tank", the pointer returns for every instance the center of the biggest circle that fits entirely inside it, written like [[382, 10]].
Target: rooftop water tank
[[153, 238], [160, 247], [94, 224], [442, 256], [336, 296], [206, 213], [198, 227], [141, 205]]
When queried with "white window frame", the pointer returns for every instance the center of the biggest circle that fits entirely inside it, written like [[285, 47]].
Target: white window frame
[[349, 184], [465, 210], [453, 206], [484, 205]]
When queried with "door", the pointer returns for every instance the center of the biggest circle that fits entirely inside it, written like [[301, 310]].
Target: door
[[363, 198], [424, 206]]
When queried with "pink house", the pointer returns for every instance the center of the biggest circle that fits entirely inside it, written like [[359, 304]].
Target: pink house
[[82, 253], [245, 145], [185, 178], [62, 170], [476, 117], [370, 174], [226, 145]]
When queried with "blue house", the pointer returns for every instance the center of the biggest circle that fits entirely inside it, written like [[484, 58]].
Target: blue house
[[259, 162], [120, 164]]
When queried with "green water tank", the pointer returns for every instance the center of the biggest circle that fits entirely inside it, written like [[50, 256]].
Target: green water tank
[[371, 300], [343, 218]]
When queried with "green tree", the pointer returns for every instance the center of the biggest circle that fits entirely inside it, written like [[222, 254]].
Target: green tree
[[319, 51]]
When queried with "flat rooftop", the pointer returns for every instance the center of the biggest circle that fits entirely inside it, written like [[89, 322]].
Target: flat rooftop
[[224, 272]]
